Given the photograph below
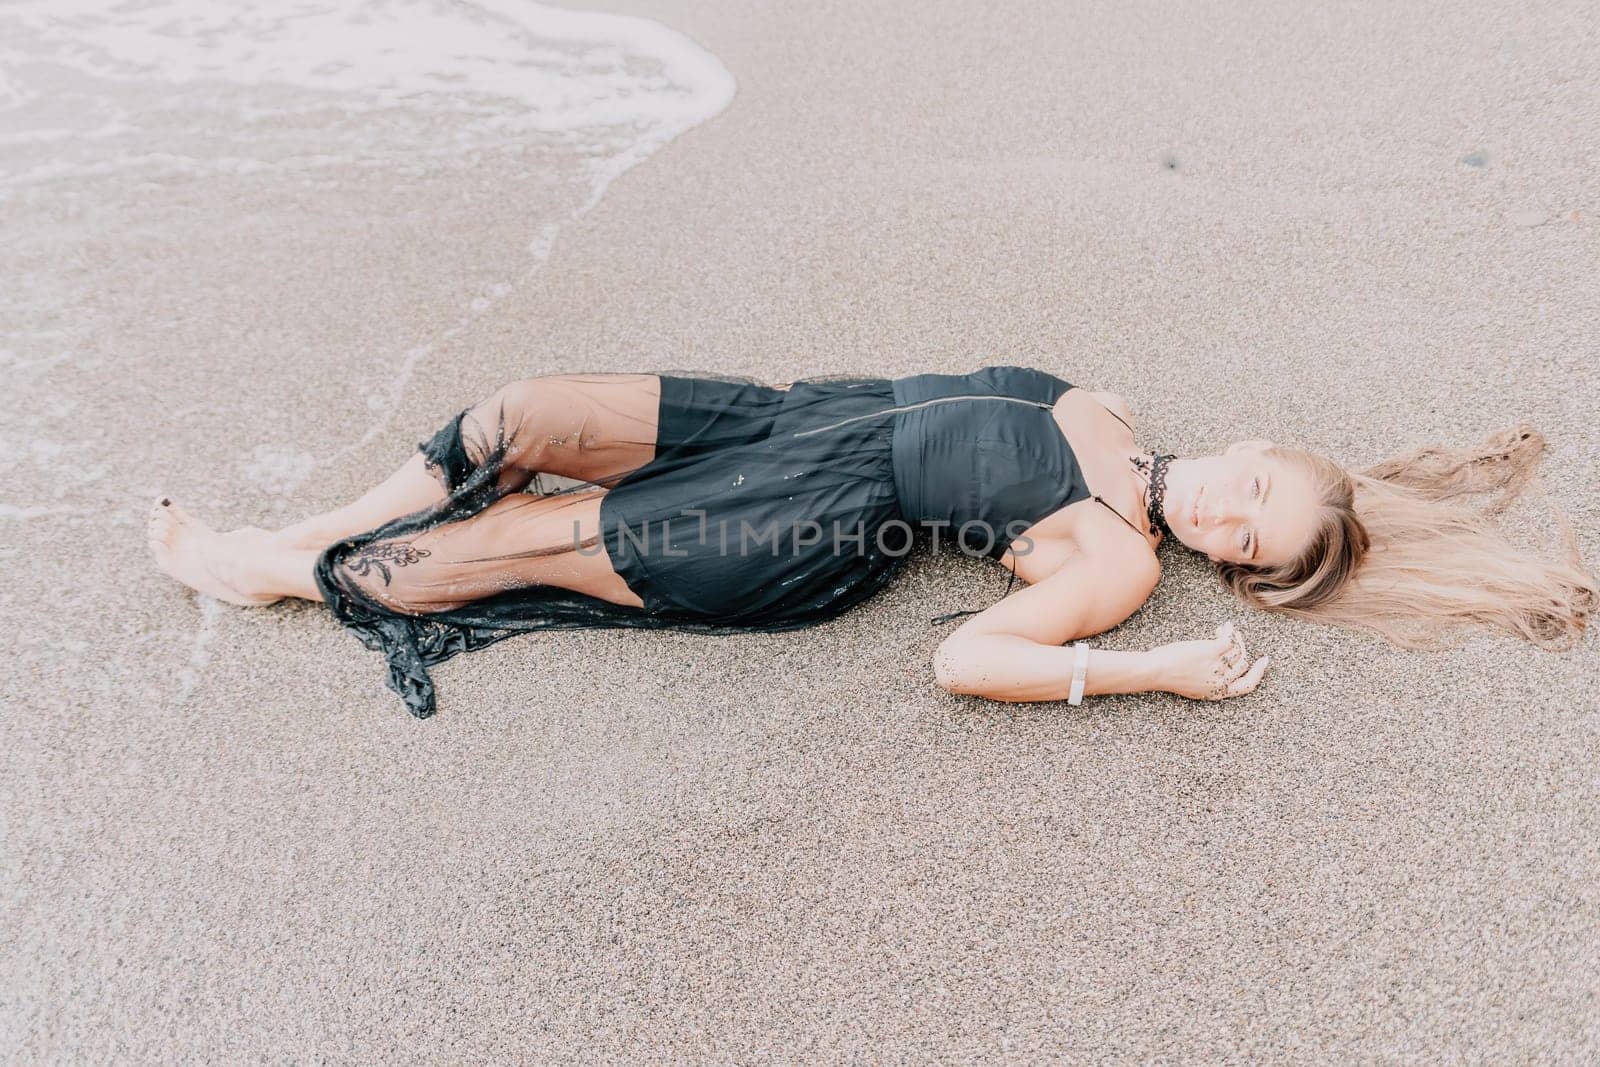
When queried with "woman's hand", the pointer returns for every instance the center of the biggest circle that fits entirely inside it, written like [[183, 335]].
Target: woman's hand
[[1210, 670]]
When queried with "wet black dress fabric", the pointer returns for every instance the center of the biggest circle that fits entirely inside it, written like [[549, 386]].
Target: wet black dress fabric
[[763, 509], [982, 454]]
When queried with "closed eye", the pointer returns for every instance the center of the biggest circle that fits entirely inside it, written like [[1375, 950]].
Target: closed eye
[[1260, 491]]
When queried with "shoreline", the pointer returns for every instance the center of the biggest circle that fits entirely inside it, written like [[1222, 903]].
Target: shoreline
[[228, 840]]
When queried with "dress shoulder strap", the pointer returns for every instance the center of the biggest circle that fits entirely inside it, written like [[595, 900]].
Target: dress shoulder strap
[[1097, 496], [1119, 418], [1117, 513], [1114, 415], [973, 611]]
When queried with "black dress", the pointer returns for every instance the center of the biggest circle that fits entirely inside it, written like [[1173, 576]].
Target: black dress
[[762, 509]]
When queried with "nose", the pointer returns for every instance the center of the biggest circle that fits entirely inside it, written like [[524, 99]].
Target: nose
[[1219, 511]]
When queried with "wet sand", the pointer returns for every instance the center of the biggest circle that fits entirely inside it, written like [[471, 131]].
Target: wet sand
[[1358, 230]]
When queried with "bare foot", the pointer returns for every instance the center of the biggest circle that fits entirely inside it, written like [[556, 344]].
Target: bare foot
[[201, 558]]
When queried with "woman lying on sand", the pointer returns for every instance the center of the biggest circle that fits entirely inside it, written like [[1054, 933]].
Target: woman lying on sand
[[722, 505]]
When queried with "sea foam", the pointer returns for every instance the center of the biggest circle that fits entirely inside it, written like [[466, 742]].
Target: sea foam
[[117, 108], [499, 69]]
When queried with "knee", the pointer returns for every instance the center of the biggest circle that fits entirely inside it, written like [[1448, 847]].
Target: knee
[[538, 415]]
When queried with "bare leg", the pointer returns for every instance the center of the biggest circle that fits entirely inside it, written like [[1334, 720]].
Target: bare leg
[[411, 488], [591, 427], [516, 542]]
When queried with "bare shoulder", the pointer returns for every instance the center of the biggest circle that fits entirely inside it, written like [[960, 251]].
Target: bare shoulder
[[1091, 589], [1106, 549], [1133, 562], [1108, 556], [1116, 403], [1124, 559], [1117, 579]]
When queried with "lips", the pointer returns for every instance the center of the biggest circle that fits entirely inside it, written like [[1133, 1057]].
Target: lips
[[1194, 510]]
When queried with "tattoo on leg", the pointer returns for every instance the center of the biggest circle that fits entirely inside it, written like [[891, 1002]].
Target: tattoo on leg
[[374, 556]]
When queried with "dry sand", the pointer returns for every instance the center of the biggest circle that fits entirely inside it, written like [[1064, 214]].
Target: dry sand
[[1358, 228]]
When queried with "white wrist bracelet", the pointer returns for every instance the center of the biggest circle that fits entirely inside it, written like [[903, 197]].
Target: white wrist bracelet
[[1080, 671]]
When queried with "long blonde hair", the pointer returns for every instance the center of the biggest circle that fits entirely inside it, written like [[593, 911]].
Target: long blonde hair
[[1394, 554]]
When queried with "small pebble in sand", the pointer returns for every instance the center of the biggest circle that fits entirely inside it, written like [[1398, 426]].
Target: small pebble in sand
[[1475, 159], [1528, 219], [1169, 161]]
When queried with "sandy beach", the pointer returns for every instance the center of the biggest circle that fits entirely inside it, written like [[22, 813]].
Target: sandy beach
[[1357, 228]]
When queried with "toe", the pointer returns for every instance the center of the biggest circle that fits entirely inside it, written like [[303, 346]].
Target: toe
[[156, 525], [181, 518]]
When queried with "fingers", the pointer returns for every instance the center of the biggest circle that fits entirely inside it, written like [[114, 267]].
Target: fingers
[[1228, 637], [1230, 648], [1247, 681], [1233, 668], [1234, 672], [1235, 658]]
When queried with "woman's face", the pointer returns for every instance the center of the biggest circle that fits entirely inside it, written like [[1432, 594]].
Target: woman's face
[[1242, 506]]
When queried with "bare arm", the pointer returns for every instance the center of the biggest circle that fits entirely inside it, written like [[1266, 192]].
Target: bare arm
[[1012, 650]]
